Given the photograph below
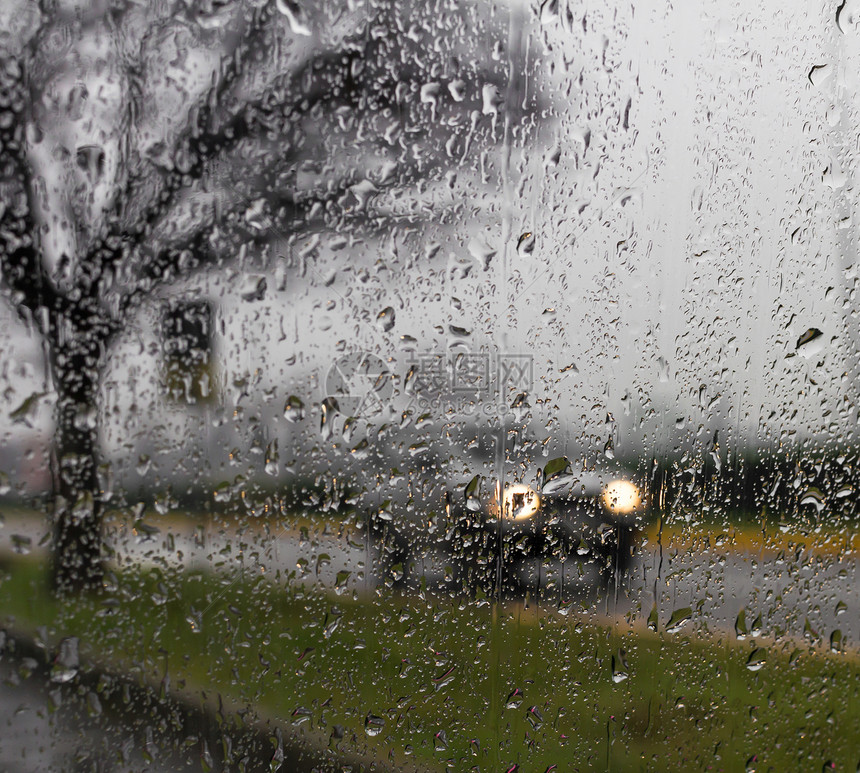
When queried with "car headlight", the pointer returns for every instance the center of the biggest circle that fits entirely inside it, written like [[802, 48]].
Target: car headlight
[[521, 502], [621, 496]]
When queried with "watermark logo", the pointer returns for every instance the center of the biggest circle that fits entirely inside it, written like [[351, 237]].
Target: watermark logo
[[477, 373], [360, 383], [469, 382]]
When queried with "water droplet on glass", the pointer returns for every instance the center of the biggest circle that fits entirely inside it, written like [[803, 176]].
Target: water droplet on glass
[[526, 243], [556, 476], [653, 619], [328, 410], [836, 641], [548, 11], [813, 496], [373, 725], [27, 410], [385, 319], [66, 662], [812, 334], [457, 88], [819, 73], [756, 659], [481, 252], [609, 449], [253, 288], [271, 467], [678, 619], [294, 409], [514, 699], [472, 493], [755, 628], [619, 667], [741, 629], [295, 16], [535, 717]]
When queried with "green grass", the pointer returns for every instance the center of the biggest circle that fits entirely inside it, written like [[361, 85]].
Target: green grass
[[438, 673]]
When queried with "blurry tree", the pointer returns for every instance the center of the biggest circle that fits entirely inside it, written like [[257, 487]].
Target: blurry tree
[[143, 139]]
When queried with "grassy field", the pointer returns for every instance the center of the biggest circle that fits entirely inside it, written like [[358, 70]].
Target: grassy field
[[453, 684], [752, 538]]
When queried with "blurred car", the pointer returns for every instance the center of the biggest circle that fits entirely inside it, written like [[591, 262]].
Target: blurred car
[[589, 517]]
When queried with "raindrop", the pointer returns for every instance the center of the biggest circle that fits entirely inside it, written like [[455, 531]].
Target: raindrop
[[515, 699], [813, 496], [609, 449], [678, 619], [741, 629], [526, 243], [535, 717], [67, 661], [756, 659], [445, 678], [328, 409], [272, 458], [836, 641], [548, 11], [26, 411], [458, 90], [472, 493], [340, 585], [819, 73], [556, 476], [520, 406], [653, 618], [385, 319], [846, 16], [481, 252], [808, 337], [619, 667], [755, 628], [256, 217], [253, 288], [144, 463], [295, 16], [373, 725], [294, 409], [348, 430]]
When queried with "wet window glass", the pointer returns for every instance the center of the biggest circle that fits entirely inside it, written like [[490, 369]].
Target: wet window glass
[[394, 385]]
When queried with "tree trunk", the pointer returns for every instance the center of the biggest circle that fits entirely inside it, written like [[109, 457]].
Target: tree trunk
[[77, 345]]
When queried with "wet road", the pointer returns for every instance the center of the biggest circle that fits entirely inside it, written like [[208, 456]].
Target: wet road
[[803, 595], [48, 726], [809, 597]]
